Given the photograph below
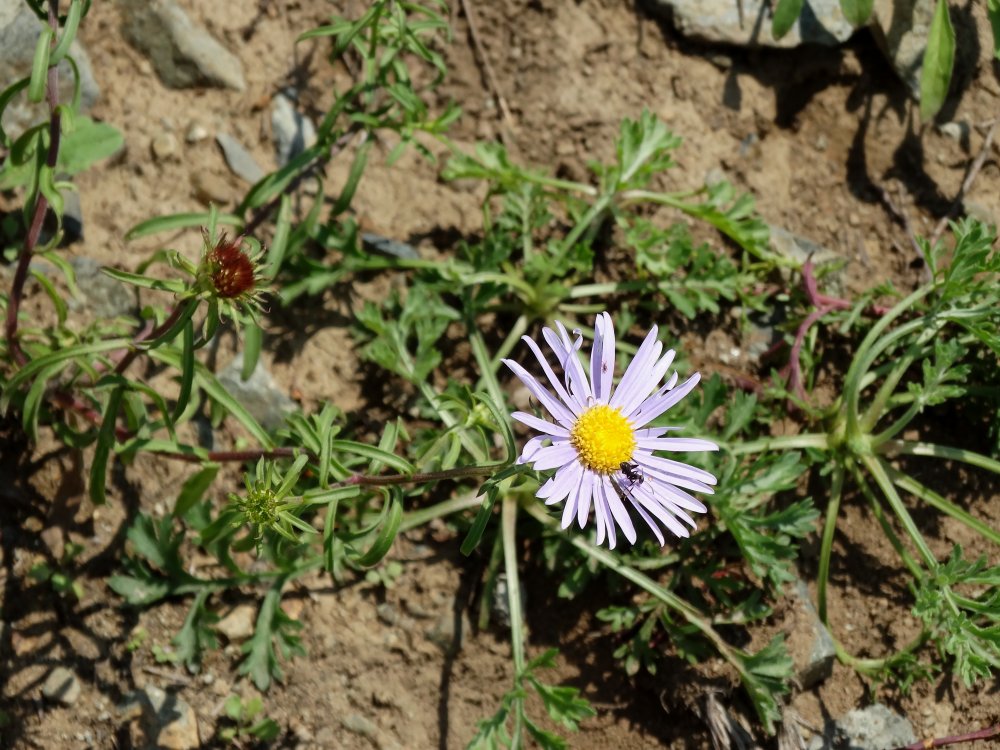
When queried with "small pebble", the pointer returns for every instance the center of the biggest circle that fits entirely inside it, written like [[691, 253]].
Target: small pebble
[[164, 146], [196, 132]]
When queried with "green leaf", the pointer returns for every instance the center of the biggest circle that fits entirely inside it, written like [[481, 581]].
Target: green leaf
[[353, 178], [145, 282], [273, 627], [105, 443], [253, 339], [939, 59], [70, 26], [88, 143], [785, 15], [187, 371], [5, 98], [194, 489], [37, 365], [207, 381], [179, 221], [372, 453], [196, 635], [766, 676], [40, 65], [857, 12], [392, 516], [564, 704]]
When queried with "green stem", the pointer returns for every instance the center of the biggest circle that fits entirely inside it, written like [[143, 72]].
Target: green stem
[[876, 507], [929, 496], [416, 518], [826, 546], [782, 443], [878, 404], [913, 448], [508, 530], [871, 346], [487, 371], [875, 667], [877, 468]]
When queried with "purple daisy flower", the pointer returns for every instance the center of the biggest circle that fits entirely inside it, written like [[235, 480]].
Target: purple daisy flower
[[598, 443]]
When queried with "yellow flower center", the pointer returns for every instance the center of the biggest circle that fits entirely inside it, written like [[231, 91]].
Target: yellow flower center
[[603, 438]]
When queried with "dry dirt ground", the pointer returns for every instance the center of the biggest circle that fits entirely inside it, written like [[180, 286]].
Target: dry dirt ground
[[819, 136]]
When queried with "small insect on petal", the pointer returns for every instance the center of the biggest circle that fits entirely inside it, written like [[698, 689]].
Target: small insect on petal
[[599, 442]]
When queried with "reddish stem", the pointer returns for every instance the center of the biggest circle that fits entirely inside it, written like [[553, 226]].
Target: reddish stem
[[979, 734], [146, 334], [41, 202]]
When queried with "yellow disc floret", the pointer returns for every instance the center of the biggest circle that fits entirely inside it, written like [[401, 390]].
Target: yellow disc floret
[[603, 438]]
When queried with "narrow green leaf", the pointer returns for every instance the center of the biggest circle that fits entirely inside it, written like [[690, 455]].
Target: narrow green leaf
[[164, 285], [38, 364], [482, 518], [178, 221], [211, 385], [40, 65], [73, 16], [939, 59], [857, 12], [399, 463], [353, 178], [48, 188], [393, 516], [105, 444], [253, 340], [282, 230], [276, 182], [57, 301], [194, 489], [785, 15], [35, 398], [187, 371]]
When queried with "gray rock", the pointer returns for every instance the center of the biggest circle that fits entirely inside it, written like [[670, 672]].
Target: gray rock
[[168, 722], [107, 297], [238, 625], [387, 613], [359, 725], [871, 728], [900, 28], [259, 395], [449, 632], [240, 161], [801, 249], [19, 30], [292, 131], [62, 686], [183, 53], [376, 243], [810, 644], [748, 23]]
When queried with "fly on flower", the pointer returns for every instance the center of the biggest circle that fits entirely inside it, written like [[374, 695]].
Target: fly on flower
[[598, 441]]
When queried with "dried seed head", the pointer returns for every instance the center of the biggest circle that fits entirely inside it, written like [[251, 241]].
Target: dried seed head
[[233, 271]]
